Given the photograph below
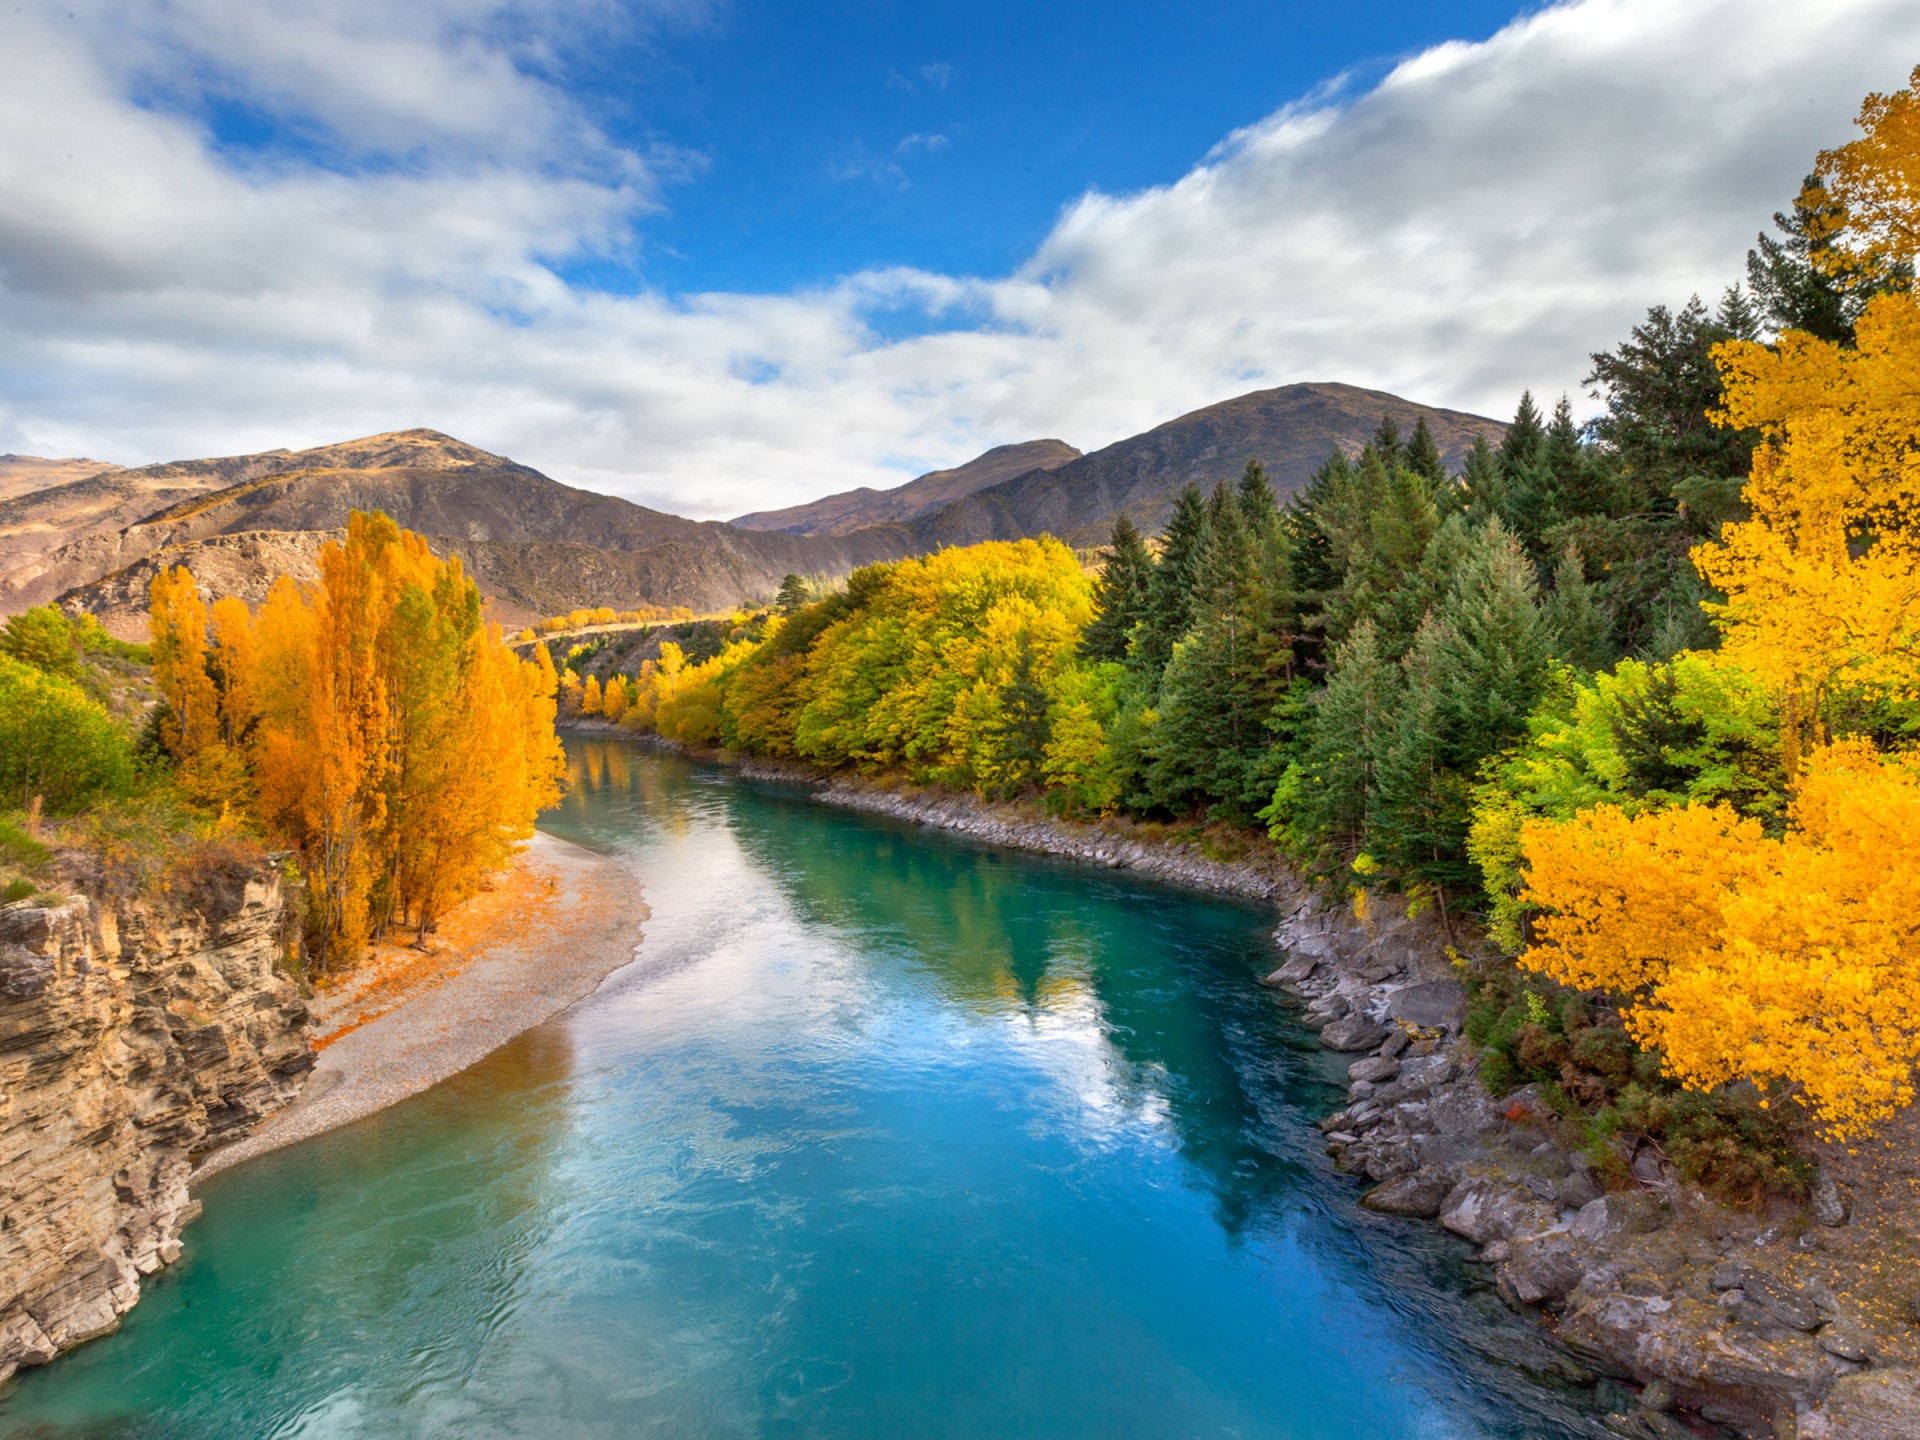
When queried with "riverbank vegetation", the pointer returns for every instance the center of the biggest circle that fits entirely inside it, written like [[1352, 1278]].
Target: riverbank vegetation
[[1638, 697]]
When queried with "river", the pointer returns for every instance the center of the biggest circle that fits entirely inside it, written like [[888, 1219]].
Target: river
[[886, 1134]]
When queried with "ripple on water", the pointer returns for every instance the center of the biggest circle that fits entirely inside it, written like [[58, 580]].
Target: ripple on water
[[884, 1134]]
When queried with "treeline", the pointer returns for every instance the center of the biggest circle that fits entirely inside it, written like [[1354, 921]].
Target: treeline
[[1677, 639]]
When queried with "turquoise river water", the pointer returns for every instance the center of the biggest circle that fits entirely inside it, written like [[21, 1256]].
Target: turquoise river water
[[885, 1134]]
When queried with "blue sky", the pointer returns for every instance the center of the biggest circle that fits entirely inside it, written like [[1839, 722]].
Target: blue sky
[[832, 137], [725, 255]]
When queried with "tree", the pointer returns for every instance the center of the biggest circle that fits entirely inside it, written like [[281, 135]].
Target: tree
[[1789, 961], [1423, 456], [190, 717], [55, 743], [1019, 734], [44, 638], [1170, 593], [592, 702], [1122, 596], [794, 593], [1798, 283], [1336, 795]]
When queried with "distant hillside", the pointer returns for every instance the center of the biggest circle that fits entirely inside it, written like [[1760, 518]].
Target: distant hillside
[[538, 547], [1290, 430], [23, 474], [852, 510], [535, 546]]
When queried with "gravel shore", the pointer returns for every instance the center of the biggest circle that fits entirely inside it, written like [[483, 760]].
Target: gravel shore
[[550, 931]]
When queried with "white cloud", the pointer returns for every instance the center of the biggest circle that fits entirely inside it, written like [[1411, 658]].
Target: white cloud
[[1475, 223]]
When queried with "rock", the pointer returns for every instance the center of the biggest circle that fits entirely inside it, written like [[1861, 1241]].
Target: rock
[[1486, 1209], [1874, 1405], [1376, 1068], [1352, 1032], [132, 1038], [1362, 1089], [1784, 1302], [1846, 1343], [1828, 1202], [1577, 1189], [1299, 968], [1647, 1167], [1542, 1269], [1431, 1005], [1419, 1194], [1658, 1397], [1394, 1044]]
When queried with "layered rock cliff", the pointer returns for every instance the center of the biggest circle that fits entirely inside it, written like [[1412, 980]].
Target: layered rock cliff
[[133, 1036]]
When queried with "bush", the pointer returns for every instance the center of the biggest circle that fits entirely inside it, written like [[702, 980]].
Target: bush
[[56, 743], [1531, 1031]]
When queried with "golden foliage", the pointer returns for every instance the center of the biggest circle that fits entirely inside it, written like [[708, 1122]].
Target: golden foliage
[[1791, 961], [374, 723]]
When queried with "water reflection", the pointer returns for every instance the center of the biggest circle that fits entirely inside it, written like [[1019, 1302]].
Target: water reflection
[[884, 1134]]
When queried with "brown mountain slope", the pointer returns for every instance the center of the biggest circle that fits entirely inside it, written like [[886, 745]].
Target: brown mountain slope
[[1290, 430], [535, 546], [852, 510], [23, 474], [59, 536]]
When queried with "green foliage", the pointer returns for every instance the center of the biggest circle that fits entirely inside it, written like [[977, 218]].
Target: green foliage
[[44, 638], [1724, 1141], [1531, 1031], [1121, 598], [1640, 737], [55, 742]]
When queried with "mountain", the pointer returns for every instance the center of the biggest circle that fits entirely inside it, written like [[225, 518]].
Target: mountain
[[853, 510], [1290, 430], [535, 546], [93, 538], [23, 474]]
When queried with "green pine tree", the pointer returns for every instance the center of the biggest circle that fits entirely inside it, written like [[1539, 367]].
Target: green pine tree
[[1170, 593], [1121, 596]]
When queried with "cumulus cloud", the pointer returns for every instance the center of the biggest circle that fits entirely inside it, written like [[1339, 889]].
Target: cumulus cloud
[[1473, 223]]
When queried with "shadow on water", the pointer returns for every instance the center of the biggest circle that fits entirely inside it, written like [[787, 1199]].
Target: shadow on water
[[886, 1133]]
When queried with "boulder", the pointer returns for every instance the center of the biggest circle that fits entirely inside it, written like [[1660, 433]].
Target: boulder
[[1375, 1068], [1828, 1201], [1873, 1405], [1419, 1194], [1484, 1209], [1299, 968], [1431, 1005], [1352, 1032], [1542, 1269]]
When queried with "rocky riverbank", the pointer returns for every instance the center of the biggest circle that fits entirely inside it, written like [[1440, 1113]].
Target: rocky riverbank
[[134, 1036], [1793, 1322]]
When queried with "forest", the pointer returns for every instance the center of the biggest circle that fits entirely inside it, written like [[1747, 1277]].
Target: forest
[[372, 728], [1636, 699]]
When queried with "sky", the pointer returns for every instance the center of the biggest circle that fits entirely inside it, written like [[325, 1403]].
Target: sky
[[725, 255]]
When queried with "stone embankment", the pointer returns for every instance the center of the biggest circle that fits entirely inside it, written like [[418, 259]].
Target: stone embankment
[[1750, 1321], [1763, 1324], [133, 1037]]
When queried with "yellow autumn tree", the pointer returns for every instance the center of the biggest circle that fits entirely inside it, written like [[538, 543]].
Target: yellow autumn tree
[[1823, 579], [1790, 961], [613, 698], [591, 700]]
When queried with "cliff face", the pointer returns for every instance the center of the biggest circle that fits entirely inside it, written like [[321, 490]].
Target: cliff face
[[132, 1038]]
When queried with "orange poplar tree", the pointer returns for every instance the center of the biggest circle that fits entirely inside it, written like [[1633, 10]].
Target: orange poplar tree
[[387, 732]]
